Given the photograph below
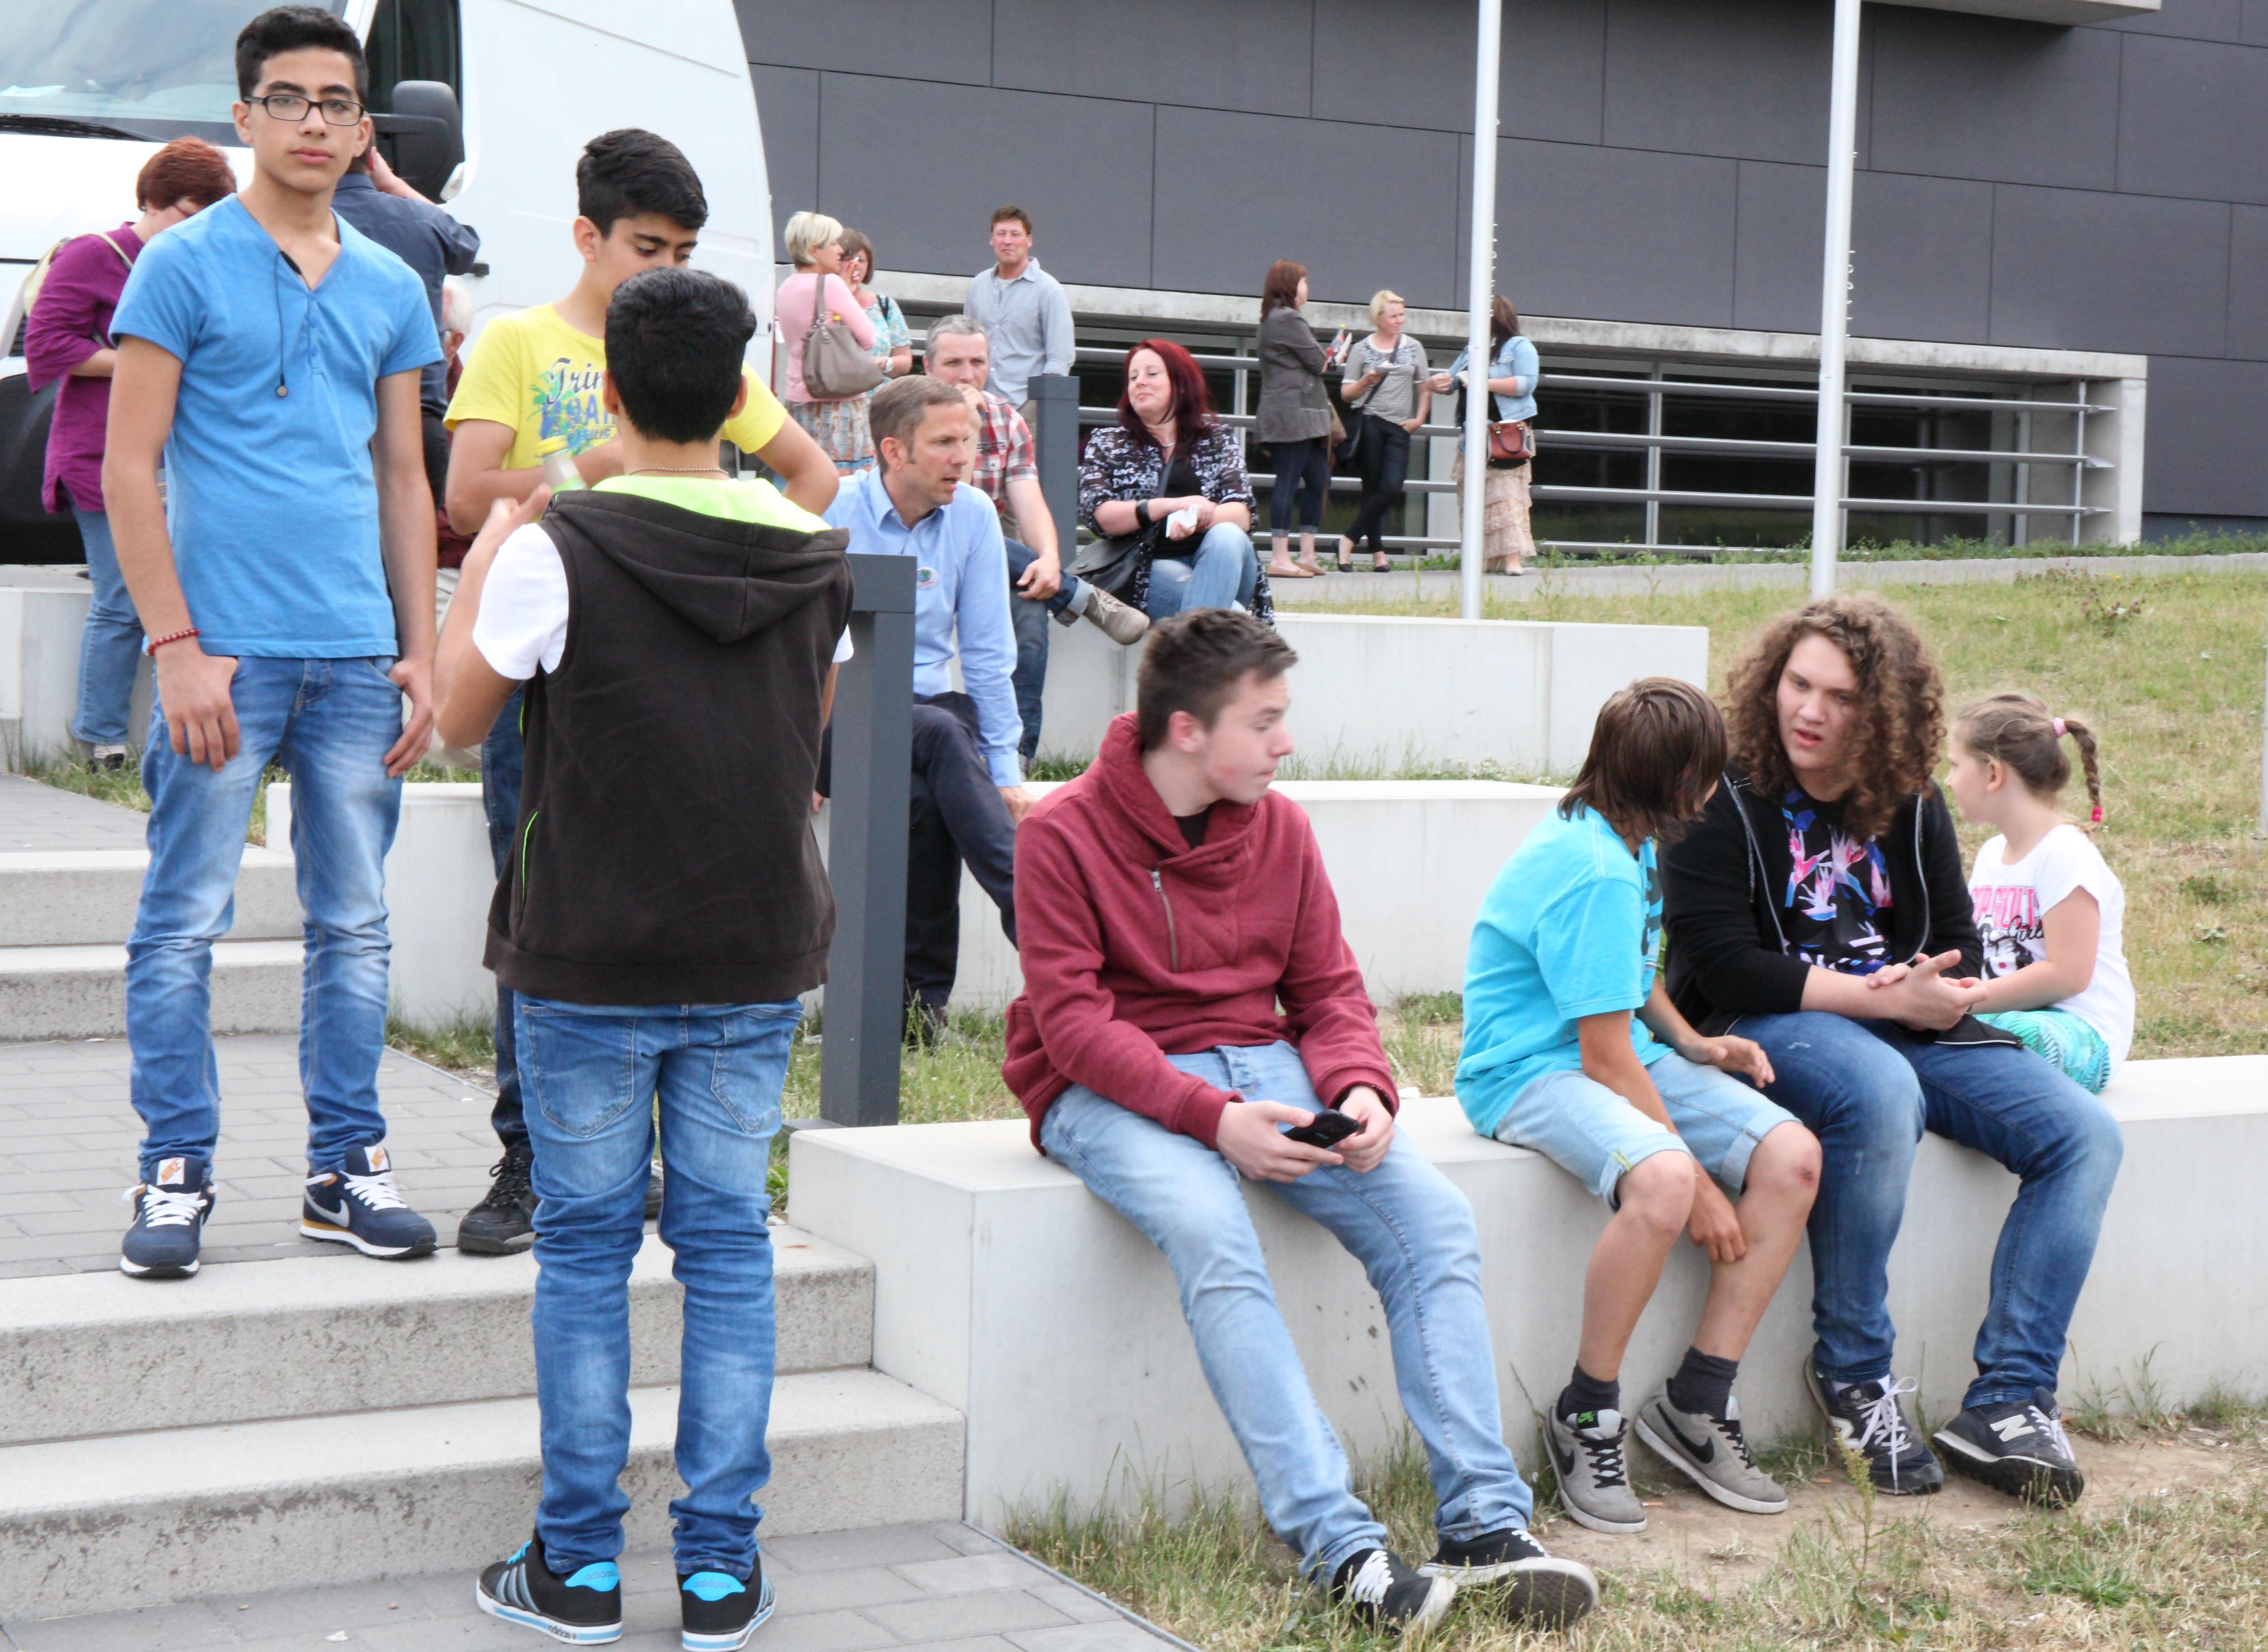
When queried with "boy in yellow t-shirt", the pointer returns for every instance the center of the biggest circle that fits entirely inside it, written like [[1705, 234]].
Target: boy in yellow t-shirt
[[536, 375]]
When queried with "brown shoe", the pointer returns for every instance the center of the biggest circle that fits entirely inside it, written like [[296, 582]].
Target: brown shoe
[[1122, 624]]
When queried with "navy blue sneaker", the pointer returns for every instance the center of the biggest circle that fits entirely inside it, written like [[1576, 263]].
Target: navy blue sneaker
[[358, 1204], [719, 1612], [583, 1609], [169, 1221]]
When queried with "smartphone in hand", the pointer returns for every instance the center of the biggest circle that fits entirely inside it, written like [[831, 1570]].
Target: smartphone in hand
[[1331, 1126]]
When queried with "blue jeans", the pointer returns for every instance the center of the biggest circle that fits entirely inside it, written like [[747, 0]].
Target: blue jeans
[[1869, 1089], [110, 644], [591, 1075], [1413, 1233], [503, 755], [329, 722], [1222, 569], [1031, 622]]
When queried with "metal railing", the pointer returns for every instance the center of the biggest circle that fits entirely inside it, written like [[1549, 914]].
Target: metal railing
[[2034, 470]]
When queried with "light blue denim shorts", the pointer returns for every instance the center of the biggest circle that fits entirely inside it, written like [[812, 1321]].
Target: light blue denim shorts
[[1595, 1136]]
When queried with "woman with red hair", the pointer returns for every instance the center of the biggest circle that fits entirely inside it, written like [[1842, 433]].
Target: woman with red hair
[[1165, 494]]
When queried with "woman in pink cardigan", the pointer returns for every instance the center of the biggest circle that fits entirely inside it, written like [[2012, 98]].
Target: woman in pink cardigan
[[814, 241]]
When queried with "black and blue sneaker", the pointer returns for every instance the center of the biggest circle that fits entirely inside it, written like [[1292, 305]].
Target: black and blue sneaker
[[719, 1612], [169, 1220], [2019, 1448], [358, 1204], [583, 1609]]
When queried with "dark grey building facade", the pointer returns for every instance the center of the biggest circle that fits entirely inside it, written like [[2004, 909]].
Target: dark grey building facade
[[2099, 188]]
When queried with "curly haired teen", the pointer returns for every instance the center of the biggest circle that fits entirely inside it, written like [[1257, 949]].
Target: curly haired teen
[[1819, 908]]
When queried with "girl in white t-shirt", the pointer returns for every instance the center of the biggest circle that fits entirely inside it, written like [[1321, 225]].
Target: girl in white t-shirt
[[2049, 911]]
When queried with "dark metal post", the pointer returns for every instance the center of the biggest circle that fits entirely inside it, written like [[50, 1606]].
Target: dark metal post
[[1055, 398], [872, 766]]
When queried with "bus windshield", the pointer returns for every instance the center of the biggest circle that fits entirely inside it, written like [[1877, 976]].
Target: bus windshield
[[142, 62]]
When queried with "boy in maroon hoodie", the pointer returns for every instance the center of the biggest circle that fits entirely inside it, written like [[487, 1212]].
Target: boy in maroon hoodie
[[1166, 902]]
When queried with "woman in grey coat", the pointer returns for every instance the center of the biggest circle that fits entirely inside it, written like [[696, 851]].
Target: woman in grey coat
[[1295, 417]]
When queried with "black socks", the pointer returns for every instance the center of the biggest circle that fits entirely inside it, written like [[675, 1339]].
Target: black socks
[[1703, 1384], [1585, 1392]]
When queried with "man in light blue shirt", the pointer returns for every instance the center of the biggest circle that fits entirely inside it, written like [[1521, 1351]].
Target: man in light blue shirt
[[1022, 309], [967, 785], [272, 355]]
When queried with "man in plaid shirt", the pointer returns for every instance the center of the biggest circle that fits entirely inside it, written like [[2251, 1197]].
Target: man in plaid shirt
[[1007, 474]]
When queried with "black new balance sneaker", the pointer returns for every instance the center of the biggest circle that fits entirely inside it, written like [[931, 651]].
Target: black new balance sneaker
[[1379, 1587], [2019, 1448], [1865, 1417], [1546, 1591], [584, 1609], [503, 1223], [719, 1612], [358, 1204], [169, 1220]]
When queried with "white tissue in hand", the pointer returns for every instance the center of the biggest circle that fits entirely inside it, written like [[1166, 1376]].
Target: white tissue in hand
[[1183, 522]]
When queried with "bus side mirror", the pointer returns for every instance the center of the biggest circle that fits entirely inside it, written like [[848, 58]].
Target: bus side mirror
[[428, 134]]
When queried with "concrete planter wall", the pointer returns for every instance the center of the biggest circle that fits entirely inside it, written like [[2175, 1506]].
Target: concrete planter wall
[[989, 1263], [1410, 861], [1379, 695], [42, 609]]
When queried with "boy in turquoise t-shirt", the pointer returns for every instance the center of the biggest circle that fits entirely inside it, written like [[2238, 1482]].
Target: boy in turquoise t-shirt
[[1574, 1050]]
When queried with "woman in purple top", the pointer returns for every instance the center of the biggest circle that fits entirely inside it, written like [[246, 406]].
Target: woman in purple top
[[67, 338]]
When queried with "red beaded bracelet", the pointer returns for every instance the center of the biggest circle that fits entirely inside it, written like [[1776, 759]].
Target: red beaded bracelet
[[157, 642]]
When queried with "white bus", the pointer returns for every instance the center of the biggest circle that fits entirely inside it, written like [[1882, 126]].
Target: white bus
[[484, 103]]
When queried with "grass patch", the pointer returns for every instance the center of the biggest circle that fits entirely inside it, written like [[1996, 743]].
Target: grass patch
[[123, 786], [468, 1047], [1875, 551], [2173, 692], [2179, 1569]]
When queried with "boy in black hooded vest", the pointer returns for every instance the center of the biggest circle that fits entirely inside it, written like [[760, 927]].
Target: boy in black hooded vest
[[663, 908]]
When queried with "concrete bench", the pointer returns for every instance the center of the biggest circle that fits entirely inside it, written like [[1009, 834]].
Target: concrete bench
[[1006, 1290]]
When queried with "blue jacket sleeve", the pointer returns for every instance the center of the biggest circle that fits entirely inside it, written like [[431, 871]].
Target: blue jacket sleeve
[[986, 638]]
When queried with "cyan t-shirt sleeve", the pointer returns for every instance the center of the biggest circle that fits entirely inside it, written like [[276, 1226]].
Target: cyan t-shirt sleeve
[[163, 300], [1589, 946], [415, 343]]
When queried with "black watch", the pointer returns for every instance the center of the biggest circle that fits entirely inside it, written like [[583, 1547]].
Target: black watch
[[1141, 513]]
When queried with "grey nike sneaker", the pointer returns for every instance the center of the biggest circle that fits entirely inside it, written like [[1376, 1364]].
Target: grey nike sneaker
[[1594, 1489], [1122, 624], [1713, 1455]]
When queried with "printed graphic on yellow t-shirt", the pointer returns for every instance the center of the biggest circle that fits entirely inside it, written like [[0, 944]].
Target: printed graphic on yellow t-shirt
[[533, 373]]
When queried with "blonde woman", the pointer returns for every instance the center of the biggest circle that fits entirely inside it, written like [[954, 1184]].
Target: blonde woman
[[815, 242], [1388, 388]]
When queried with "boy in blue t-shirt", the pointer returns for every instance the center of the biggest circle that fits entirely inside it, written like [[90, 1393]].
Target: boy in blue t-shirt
[[270, 355], [1572, 1049]]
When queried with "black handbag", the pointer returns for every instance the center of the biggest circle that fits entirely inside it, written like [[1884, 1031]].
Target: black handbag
[[1345, 451], [1109, 564]]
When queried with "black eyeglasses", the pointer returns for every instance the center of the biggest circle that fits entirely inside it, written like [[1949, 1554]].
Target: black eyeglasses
[[290, 106]]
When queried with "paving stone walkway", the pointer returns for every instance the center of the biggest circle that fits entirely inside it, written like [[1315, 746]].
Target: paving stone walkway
[[941, 1588], [42, 817], [68, 1137]]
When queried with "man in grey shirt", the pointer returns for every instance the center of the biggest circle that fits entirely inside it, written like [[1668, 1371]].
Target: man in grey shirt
[[1022, 309]]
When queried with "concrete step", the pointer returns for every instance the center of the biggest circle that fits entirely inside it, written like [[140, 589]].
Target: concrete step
[[79, 992], [94, 1526], [87, 897], [86, 1355]]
